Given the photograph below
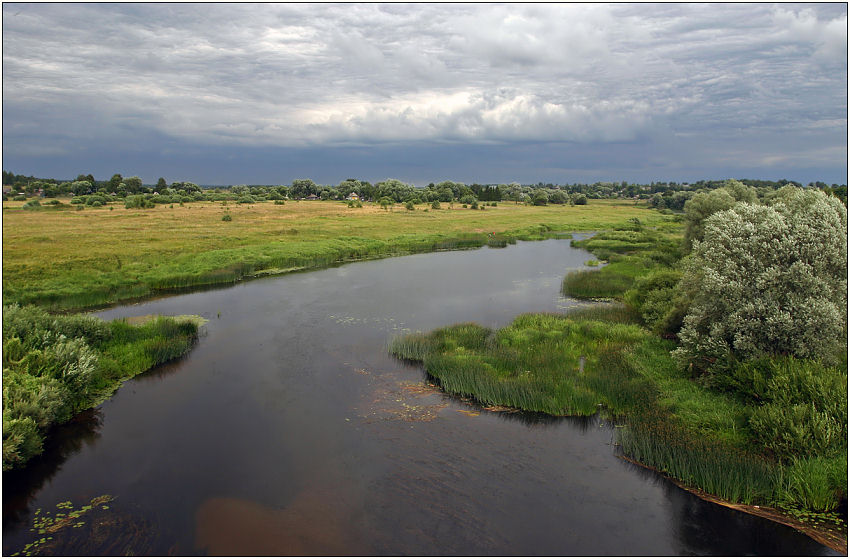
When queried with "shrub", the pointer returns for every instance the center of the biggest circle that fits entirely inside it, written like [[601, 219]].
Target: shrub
[[19, 198], [435, 205], [138, 201], [580, 200], [31, 205], [804, 409], [540, 198], [279, 202], [767, 280], [409, 206], [226, 217], [653, 296]]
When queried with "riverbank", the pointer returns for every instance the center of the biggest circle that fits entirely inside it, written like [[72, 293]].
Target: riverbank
[[65, 260], [602, 360], [57, 366]]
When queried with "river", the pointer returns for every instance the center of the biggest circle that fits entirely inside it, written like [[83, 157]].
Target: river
[[288, 430]]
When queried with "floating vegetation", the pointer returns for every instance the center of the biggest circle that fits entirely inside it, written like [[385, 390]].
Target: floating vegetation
[[47, 525], [400, 401]]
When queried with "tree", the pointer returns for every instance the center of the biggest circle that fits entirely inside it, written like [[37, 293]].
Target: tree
[[160, 184], [116, 180], [704, 204], [301, 188], [132, 185], [767, 280], [558, 197], [540, 198]]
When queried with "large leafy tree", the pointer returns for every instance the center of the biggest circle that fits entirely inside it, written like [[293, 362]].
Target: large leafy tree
[[767, 280]]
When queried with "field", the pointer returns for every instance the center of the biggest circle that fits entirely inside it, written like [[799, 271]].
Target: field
[[66, 259]]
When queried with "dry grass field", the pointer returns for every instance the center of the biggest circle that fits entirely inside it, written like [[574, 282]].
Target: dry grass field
[[67, 259]]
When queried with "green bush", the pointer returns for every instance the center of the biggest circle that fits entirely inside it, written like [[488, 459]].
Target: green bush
[[31, 205], [138, 201], [653, 296], [804, 410], [767, 281], [226, 217]]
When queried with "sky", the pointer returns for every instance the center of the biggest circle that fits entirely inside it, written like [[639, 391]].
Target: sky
[[487, 93]]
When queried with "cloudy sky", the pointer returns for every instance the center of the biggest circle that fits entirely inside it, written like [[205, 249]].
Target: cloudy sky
[[266, 93]]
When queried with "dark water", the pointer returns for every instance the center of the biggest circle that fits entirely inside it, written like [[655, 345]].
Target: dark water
[[288, 430]]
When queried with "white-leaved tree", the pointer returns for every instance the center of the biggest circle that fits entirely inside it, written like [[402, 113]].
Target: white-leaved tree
[[767, 280]]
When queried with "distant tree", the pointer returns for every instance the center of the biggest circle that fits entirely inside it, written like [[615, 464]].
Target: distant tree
[[558, 197], [395, 190], [116, 180], [80, 188], [133, 185], [579, 200], [301, 188], [160, 184], [540, 198]]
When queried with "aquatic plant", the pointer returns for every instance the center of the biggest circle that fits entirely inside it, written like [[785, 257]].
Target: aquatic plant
[[47, 525]]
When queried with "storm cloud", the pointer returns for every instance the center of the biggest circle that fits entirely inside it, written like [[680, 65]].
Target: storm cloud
[[265, 93]]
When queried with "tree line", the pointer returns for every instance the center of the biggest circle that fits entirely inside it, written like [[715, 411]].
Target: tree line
[[661, 195]]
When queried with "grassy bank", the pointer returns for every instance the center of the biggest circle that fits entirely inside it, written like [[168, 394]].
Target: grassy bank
[[631, 252], [603, 360], [67, 259], [56, 366]]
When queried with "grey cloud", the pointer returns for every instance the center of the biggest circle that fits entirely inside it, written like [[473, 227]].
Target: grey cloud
[[290, 75]]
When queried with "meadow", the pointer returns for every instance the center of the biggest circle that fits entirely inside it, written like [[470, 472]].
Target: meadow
[[65, 259]]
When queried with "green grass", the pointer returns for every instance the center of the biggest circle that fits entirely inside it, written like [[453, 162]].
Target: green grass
[[64, 259], [630, 255]]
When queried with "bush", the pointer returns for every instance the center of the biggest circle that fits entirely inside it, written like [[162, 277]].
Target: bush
[[580, 200], [409, 206], [31, 205], [653, 296], [138, 201], [435, 205], [804, 409], [19, 198], [540, 198], [226, 217], [767, 280]]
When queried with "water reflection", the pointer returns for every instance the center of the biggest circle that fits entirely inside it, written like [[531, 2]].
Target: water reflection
[[20, 486]]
